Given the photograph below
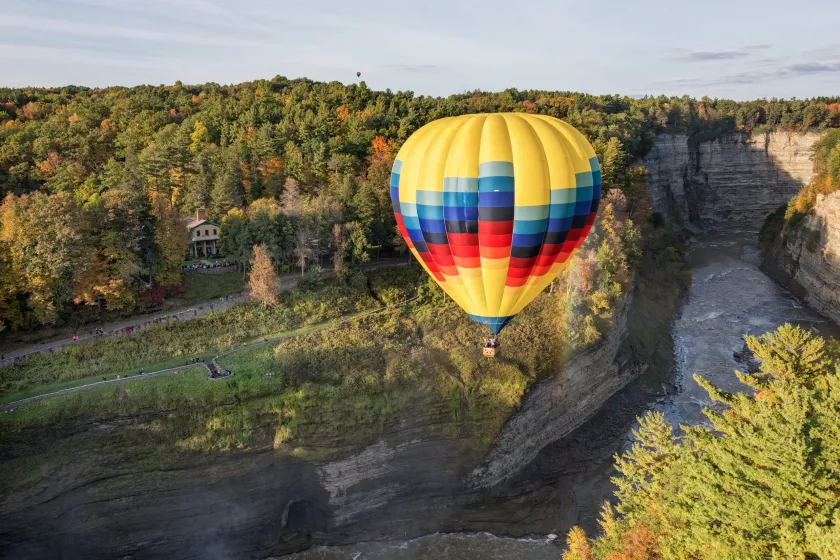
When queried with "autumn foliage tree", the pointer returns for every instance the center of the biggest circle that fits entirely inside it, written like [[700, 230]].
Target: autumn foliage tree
[[263, 282], [760, 482]]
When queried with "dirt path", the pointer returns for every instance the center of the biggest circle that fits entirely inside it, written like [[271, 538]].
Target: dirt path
[[139, 323], [210, 364]]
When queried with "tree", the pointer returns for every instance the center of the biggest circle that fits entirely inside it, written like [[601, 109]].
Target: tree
[[44, 239], [760, 482], [172, 240], [227, 190], [305, 242], [263, 282], [579, 547]]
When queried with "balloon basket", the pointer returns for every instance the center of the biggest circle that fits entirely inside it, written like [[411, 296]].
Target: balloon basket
[[489, 352]]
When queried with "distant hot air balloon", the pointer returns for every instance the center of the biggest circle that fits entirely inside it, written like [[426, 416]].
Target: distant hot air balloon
[[493, 206], [358, 74]]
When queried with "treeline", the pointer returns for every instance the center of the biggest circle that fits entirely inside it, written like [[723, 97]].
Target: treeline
[[760, 482], [298, 165]]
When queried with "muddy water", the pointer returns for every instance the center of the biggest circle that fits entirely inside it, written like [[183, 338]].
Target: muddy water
[[729, 298]]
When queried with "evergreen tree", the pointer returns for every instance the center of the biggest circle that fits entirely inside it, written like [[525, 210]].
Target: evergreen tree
[[761, 482]]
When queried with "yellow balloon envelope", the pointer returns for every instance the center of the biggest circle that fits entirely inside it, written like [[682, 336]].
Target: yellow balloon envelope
[[493, 206]]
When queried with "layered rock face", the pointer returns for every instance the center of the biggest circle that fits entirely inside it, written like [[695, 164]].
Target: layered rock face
[[806, 258], [729, 183], [424, 473]]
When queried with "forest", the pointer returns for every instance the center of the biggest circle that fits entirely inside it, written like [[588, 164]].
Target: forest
[[759, 482], [96, 182]]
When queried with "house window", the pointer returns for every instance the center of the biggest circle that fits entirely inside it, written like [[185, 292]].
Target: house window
[[198, 233], [214, 231], [206, 232]]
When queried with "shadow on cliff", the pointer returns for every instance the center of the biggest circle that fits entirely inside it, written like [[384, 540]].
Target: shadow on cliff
[[804, 258], [730, 182]]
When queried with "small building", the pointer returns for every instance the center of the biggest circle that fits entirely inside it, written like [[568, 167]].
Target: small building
[[204, 236]]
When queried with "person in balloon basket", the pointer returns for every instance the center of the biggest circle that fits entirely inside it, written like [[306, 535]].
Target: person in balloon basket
[[491, 342]]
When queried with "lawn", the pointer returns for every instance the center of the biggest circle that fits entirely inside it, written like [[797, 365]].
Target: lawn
[[296, 311], [54, 387], [202, 286]]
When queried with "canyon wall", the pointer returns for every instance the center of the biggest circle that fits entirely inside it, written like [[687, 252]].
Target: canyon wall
[[101, 490], [805, 258], [732, 182]]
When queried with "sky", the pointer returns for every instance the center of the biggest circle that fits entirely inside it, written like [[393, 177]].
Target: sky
[[738, 49]]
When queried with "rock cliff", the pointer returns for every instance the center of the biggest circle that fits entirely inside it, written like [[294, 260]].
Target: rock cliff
[[732, 182], [105, 490], [805, 258]]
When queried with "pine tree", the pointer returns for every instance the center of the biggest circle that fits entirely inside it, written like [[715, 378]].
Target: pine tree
[[760, 482], [579, 547], [263, 283]]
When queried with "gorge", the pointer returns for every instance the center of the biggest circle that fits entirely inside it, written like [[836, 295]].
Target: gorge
[[547, 470]]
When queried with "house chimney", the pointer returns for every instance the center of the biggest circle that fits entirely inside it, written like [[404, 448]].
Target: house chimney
[[200, 214]]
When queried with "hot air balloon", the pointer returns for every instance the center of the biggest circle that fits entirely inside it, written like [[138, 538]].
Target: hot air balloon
[[358, 74], [493, 206]]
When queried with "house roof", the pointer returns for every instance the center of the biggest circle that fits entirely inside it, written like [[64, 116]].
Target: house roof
[[194, 223]]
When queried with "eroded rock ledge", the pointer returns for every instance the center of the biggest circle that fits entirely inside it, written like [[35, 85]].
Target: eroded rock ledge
[[805, 259]]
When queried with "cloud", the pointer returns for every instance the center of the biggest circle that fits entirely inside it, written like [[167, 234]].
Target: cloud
[[710, 56], [705, 56], [787, 71]]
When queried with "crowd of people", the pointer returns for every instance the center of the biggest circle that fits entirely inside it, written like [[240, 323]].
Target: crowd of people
[[199, 266]]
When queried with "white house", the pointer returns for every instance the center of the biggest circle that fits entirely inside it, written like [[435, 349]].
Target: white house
[[204, 235]]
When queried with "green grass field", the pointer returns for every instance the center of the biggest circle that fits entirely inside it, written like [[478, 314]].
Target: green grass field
[[54, 387], [204, 286]]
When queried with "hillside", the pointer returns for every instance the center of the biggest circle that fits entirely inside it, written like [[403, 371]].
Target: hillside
[[96, 180]]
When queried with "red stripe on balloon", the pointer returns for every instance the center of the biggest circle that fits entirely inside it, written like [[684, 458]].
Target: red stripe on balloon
[[515, 282], [465, 251], [403, 230], [494, 228], [520, 262]]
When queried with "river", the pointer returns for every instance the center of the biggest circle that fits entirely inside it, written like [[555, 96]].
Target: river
[[730, 297]]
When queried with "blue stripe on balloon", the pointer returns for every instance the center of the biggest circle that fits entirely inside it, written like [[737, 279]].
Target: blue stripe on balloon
[[430, 198], [529, 226], [495, 323], [495, 169], [411, 222], [395, 180], [583, 179], [495, 184], [563, 196], [559, 224], [496, 199], [461, 199], [415, 235], [583, 207], [429, 212], [432, 226], [397, 166], [460, 184], [585, 193], [527, 240], [459, 214]]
